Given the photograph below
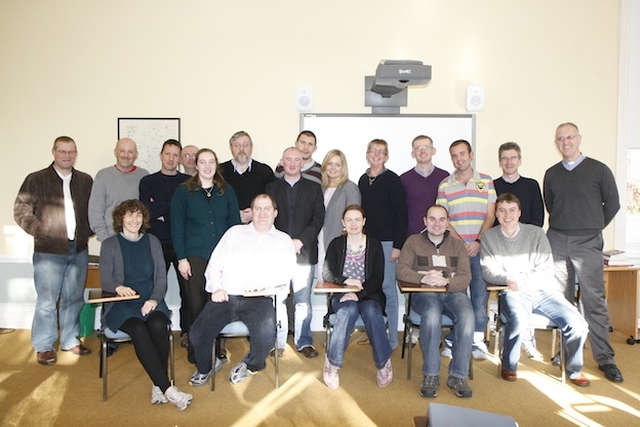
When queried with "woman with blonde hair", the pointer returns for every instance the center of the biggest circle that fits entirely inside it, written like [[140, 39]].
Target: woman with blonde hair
[[339, 193]]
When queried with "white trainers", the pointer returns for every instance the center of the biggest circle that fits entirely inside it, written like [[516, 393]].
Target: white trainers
[[479, 350], [198, 379], [385, 374], [178, 398], [157, 396], [239, 373], [330, 374], [446, 352], [531, 351]]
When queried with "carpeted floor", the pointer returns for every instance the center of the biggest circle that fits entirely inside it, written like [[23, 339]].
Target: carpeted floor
[[70, 392]]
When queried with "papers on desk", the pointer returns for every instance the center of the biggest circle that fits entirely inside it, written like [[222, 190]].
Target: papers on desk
[[266, 292], [615, 258]]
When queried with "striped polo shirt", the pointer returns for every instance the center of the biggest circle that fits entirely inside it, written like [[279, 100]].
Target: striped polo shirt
[[467, 204]]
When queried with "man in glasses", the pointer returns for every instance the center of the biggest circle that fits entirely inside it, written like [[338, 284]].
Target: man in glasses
[[582, 198]]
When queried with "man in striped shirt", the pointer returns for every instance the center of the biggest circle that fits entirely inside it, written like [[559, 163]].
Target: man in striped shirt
[[470, 198]]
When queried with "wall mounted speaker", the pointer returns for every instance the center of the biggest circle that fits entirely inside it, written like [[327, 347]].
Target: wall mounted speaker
[[475, 98], [304, 99]]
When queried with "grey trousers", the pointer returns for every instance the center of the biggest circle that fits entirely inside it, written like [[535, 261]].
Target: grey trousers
[[582, 256]]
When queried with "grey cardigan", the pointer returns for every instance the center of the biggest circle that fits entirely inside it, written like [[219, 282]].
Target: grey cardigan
[[345, 195], [112, 268]]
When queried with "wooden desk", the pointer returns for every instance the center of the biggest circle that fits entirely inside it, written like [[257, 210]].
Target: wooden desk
[[418, 287], [98, 296], [93, 277], [333, 288], [622, 287]]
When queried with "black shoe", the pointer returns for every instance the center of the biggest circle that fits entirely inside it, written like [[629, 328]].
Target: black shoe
[[611, 372]]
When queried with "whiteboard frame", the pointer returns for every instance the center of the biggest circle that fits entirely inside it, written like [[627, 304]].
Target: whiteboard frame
[[353, 140]]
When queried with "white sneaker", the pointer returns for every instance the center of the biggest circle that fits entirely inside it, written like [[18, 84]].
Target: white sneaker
[[446, 352], [531, 351], [479, 350], [178, 398], [330, 374], [239, 373], [157, 396], [479, 354]]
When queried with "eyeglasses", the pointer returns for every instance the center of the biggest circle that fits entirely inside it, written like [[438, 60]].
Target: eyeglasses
[[422, 148], [66, 153], [510, 158], [243, 145], [374, 151], [569, 137], [189, 156]]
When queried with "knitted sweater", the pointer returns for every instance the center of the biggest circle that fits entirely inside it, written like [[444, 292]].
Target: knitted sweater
[[156, 191], [250, 183], [421, 193], [110, 188], [527, 190], [384, 201], [418, 253], [582, 201], [526, 257]]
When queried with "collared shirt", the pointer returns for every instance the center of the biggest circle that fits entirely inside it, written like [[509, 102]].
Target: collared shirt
[[510, 181], [69, 212], [574, 164], [246, 260], [238, 171], [422, 174], [467, 204]]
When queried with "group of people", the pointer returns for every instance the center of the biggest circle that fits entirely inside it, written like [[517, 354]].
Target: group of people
[[236, 228]]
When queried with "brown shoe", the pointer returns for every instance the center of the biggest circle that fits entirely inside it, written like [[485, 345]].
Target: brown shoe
[[78, 350], [581, 380], [508, 375], [308, 351], [46, 357], [272, 353]]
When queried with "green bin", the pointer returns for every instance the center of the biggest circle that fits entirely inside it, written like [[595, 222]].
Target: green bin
[[87, 315]]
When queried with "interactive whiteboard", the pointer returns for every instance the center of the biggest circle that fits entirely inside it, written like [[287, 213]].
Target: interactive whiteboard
[[351, 133]]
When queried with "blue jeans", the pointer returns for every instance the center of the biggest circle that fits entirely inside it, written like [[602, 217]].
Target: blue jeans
[[256, 312], [479, 295], [430, 307], [58, 277], [301, 284], [346, 315], [479, 300], [516, 307], [390, 289]]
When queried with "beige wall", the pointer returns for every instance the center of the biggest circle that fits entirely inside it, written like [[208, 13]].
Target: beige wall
[[73, 67]]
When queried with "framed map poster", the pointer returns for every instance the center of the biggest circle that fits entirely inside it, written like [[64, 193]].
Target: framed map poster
[[149, 134]]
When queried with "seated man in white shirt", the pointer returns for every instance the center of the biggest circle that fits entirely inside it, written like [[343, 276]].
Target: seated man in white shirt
[[251, 257]]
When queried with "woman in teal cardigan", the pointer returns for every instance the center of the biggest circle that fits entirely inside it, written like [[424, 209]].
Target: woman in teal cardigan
[[202, 210]]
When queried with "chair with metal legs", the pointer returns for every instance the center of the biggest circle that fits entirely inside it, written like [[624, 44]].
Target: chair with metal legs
[[238, 329], [412, 321], [538, 322]]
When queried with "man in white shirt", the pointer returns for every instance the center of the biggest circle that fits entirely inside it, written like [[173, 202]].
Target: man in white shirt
[[249, 257]]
